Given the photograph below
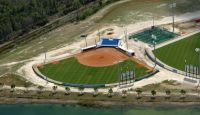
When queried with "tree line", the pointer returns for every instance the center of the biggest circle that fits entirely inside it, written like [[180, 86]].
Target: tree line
[[20, 16]]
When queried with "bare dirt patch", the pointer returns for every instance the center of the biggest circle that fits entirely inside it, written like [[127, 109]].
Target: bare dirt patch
[[101, 57], [55, 62], [40, 66]]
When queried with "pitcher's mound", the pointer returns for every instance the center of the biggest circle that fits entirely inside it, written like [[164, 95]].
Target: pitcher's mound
[[101, 57]]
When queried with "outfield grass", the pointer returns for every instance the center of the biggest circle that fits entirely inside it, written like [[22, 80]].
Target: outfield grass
[[176, 53], [71, 71]]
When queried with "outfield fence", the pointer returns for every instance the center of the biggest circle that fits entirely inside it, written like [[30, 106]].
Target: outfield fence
[[147, 76], [137, 79], [151, 56], [38, 73]]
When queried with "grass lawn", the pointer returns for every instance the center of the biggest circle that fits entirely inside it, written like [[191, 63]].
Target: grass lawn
[[10, 79], [71, 71], [176, 53]]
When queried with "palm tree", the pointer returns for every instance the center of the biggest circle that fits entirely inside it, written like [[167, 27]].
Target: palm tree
[[95, 92], [168, 93], [139, 92], [153, 92], [81, 89], [110, 92], [54, 89], [124, 93], [183, 92], [67, 89], [40, 89], [26, 85], [12, 87]]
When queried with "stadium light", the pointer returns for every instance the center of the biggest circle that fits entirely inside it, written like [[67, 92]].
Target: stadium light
[[99, 34], [84, 36], [45, 57], [95, 41], [154, 44], [153, 21], [198, 51], [119, 71], [126, 37], [172, 6]]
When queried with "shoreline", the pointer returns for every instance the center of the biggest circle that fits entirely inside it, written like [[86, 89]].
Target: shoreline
[[98, 103]]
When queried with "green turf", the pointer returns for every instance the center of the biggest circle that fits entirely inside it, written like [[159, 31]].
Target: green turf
[[71, 71], [176, 53]]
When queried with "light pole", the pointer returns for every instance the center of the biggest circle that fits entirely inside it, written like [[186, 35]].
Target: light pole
[[126, 37], [99, 34], [186, 70], [95, 41], [198, 51], [154, 50], [119, 72], [154, 46], [172, 6], [153, 20], [45, 57], [84, 36]]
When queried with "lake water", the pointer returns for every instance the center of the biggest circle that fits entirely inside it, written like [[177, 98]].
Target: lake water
[[58, 109]]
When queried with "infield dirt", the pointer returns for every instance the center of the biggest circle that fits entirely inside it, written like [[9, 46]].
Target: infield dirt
[[101, 57]]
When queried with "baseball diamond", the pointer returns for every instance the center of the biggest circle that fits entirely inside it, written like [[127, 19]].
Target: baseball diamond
[[96, 66]]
